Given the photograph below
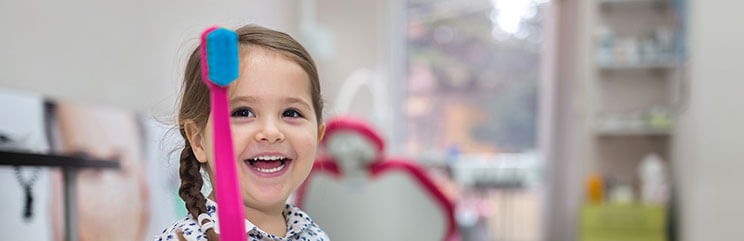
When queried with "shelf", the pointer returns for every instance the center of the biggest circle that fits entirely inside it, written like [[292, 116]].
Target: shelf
[[633, 132], [18, 158], [630, 2], [637, 65]]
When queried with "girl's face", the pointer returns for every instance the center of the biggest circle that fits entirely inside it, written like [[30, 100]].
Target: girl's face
[[274, 128]]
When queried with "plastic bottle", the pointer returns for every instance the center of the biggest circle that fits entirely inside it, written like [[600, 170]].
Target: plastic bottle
[[654, 187]]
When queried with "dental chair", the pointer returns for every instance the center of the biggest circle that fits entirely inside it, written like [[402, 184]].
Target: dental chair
[[356, 193]]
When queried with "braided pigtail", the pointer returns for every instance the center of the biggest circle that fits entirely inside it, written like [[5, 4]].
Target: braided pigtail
[[190, 190]]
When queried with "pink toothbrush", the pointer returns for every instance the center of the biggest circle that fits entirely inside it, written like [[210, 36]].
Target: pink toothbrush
[[220, 64]]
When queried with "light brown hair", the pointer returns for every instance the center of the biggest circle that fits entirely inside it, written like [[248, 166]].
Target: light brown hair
[[195, 106]]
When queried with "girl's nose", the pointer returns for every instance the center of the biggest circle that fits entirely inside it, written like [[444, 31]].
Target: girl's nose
[[269, 133]]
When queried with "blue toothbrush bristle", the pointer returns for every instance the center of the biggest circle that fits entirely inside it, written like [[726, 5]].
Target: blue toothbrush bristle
[[222, 56]]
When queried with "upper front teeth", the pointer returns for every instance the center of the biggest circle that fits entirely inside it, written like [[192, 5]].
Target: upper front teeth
[[268, 158]]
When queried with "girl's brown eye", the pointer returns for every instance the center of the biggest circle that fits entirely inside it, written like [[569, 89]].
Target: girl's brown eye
[[292, 113], [242, 112]]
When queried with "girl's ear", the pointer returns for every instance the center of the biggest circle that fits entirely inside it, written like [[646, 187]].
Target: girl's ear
[[195, 136], [321, 132]]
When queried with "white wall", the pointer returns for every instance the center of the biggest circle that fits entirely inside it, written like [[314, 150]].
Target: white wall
[[710, 143], [568, 159], [128, 54], [364, 35]]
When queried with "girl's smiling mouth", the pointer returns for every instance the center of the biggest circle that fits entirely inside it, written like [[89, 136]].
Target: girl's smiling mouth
[[268, 164]]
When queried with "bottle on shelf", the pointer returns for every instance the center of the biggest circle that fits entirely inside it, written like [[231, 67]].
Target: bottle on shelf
[[654, 185]]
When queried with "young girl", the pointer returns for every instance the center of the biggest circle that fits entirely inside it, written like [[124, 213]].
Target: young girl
[[276, 109]]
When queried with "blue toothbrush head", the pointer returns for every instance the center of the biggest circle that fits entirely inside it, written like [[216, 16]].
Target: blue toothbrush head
[[220, 56]]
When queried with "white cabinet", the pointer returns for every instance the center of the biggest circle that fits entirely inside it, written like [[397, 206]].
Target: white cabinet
[[636, 67]]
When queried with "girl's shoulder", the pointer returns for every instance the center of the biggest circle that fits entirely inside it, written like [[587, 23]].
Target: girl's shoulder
[[187, 227], [301, 226]]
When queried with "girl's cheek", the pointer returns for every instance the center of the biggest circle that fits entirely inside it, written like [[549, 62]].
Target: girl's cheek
[[241, 134], [308, 133], [241, 128]]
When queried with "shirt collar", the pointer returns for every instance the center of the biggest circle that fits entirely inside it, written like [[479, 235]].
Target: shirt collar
[[297, 221]]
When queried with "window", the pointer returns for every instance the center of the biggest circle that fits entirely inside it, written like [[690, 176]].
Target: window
[[470, 105]]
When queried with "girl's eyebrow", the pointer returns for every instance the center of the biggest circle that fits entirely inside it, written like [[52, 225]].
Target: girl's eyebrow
[[285, 100], [295, 100], [248, 99]]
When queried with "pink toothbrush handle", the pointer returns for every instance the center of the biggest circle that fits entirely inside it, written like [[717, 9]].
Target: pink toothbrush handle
[[229, 200]]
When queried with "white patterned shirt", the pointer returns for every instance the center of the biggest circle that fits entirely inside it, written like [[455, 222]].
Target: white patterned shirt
[[299, 227]]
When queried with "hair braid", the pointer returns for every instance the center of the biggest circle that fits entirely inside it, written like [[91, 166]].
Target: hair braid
[[190, 190]]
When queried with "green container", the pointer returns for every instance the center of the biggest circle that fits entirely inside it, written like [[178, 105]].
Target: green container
[[623, 222]]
